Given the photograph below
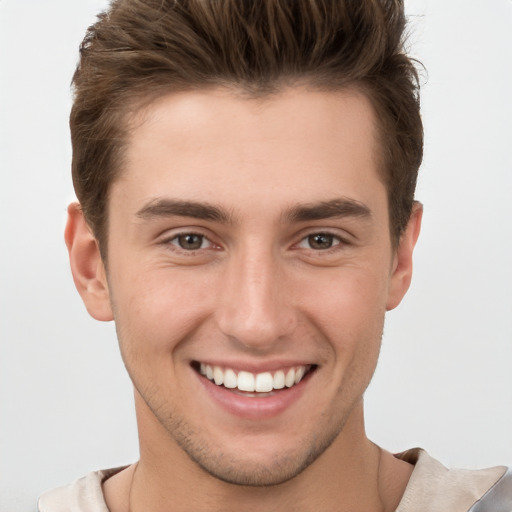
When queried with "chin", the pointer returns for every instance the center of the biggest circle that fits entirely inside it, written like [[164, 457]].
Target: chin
[[258, 466], [243, 472]]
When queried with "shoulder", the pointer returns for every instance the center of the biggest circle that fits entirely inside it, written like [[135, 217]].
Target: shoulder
[[435, 488], [83, 495], [498, 498]]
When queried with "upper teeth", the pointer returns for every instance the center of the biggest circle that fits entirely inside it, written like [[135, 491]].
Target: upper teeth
[[247, 381]]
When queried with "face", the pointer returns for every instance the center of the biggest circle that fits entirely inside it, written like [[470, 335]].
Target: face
[[249, 270]]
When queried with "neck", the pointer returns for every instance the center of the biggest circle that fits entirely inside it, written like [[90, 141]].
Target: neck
[[350, 475]]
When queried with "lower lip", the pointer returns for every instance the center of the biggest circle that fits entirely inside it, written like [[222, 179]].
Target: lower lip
[[255, 408]]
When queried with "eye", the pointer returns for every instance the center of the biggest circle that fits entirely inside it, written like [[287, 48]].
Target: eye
[[319, 241], [190, 241]]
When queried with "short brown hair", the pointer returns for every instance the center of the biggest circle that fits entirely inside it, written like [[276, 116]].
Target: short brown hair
[[140, 50]]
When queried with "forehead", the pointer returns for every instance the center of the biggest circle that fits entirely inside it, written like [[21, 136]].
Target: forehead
[[218, 146]]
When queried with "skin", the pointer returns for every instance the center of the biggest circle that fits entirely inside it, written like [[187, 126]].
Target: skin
[[257, 292]]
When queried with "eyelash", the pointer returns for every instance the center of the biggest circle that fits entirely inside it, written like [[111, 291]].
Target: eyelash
[[175, 240], [335, 241]]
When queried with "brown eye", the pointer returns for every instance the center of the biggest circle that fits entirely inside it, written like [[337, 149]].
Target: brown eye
[[190, 241], [321, 241]]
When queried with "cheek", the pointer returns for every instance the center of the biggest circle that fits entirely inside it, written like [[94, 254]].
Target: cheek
[[351, 301], [349, 312], [155, 316], [155, 311]]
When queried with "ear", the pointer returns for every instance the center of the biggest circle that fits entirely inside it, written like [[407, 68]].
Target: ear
[[401, 272], [86, 265]]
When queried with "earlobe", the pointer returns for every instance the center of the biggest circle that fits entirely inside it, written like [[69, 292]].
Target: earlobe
[[86, 265], [402, 265]]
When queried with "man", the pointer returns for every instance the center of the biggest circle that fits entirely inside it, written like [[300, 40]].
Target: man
[[246, 176]]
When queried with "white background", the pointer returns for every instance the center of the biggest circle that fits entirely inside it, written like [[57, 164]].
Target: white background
[[444, 381]]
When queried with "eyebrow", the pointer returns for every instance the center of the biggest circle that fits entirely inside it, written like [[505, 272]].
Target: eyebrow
[[335, 208], [341, 207], [171, 207]]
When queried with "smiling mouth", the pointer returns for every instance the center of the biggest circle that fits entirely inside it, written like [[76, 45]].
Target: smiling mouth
[[254, 384]]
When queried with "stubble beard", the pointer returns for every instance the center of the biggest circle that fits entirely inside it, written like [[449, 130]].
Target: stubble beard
[[243, 471], [284, 466]]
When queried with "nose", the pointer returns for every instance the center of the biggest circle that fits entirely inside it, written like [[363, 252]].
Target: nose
[[255, 308]]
